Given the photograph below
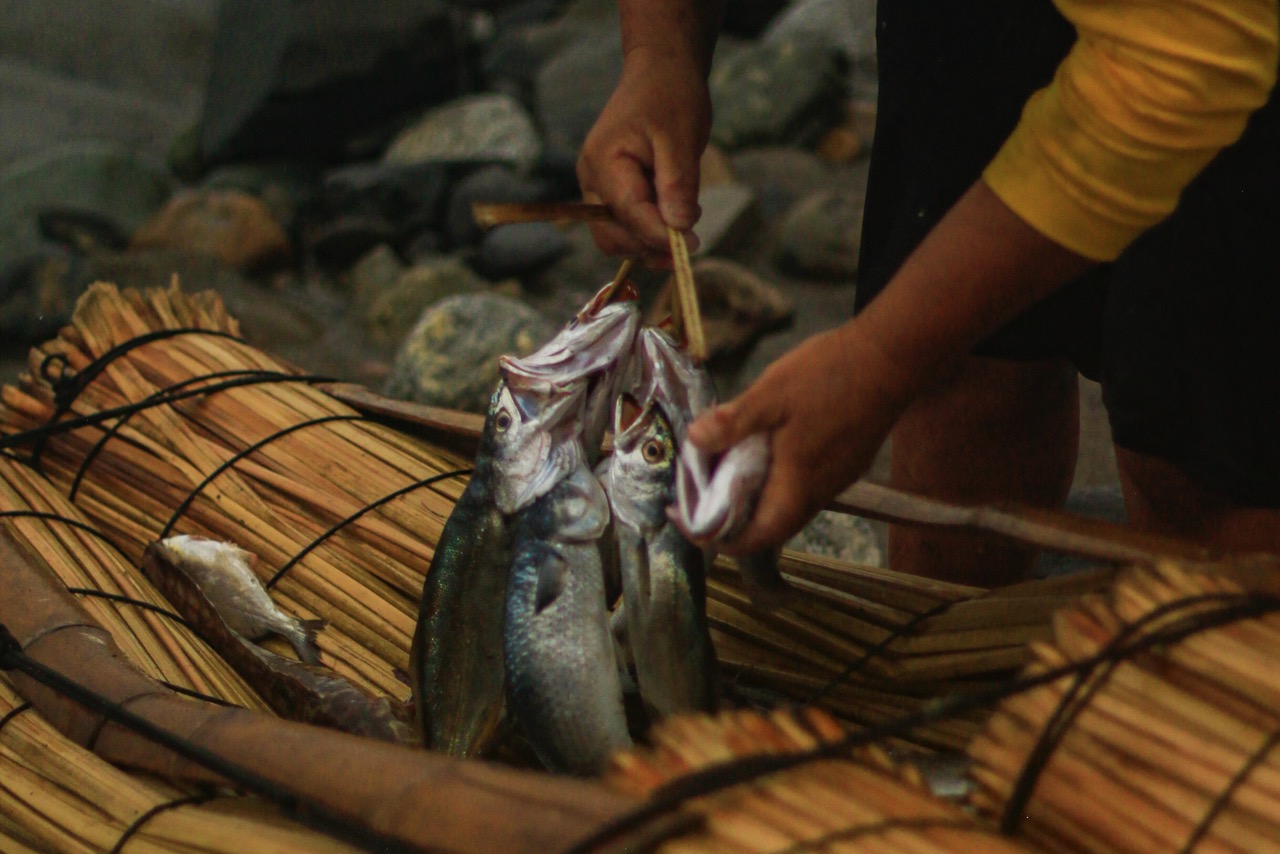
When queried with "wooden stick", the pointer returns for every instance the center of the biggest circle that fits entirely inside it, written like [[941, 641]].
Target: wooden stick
[[490, 214]]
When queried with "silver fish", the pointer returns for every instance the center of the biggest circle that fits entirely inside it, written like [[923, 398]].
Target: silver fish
[[563, 685], [715, 498], [663, 574], [529, 443], [224, 574]]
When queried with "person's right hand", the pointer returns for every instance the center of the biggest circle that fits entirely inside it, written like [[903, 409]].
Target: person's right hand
[[642, 156]]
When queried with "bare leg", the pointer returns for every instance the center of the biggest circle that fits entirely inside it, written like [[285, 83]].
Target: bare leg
[[998, 431], [1159, 497]]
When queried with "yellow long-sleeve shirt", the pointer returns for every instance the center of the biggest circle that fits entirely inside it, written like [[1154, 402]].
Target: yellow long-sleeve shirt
[[1150, 92]]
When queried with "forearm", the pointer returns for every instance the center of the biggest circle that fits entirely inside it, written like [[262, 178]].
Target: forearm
[[978, 268], [682, 28]]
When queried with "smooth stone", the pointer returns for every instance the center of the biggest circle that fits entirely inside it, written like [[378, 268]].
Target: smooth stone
[[393, 311], [789, 92], [520, 249], [450, 358], [737, 306], [236, 228], [477, 128], [821, 235]]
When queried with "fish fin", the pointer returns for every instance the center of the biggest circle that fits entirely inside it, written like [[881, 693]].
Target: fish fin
[[552, 581], [307, 650]]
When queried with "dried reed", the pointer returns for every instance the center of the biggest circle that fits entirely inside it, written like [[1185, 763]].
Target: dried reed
[[1163, 749]]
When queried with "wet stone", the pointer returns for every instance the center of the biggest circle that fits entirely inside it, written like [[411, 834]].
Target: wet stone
[[450, 358]]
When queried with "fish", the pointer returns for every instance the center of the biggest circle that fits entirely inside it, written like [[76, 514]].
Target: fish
[[663, 574], [531, 440], [716, 496], [563, 684], [295, 690], [224, 575]]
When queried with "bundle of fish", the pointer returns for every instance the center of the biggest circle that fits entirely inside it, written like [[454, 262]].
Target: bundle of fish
[[556, 584]]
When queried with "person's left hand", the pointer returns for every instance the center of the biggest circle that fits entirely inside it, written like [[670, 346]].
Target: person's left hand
[[827, 407]]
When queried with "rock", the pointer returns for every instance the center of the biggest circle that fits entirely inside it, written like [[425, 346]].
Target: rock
[[748, 18], [841, 144], [97, 180], [571, 89], [490, 184], [394, 310], [820, 236], [80, 230], [375, 272], [520, 249], [234, 227], [839, 536], [731, 223], [408, 197], [283, 186], [737, 305], [36, 298], [788, 92], [338, 243], [847, 26], [781, 176], [561, 290], [130, 73], [478, 128], [450, 358], [304, 77]]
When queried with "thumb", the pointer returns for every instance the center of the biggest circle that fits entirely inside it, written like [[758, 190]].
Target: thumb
[[721, 427], [675, 181]]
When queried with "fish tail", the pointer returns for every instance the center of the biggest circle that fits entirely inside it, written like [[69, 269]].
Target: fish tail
[[305, 644]]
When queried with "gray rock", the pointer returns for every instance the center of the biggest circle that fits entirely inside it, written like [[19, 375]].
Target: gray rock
[[821, 235], [395, 309], [478, 128], [410, 195], [283, 186], [36, 298], [450, 358], [520, 249], [375, 272], [489, 184], [789, 92], [101, 180], [848, 26], [781, 176], [840, 536], [571, 89], [305, 77], [731, 223], [340, 242], [130, 72], [737, 306]]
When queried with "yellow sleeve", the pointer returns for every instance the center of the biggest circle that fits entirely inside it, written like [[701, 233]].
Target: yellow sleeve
[[1150, 91]]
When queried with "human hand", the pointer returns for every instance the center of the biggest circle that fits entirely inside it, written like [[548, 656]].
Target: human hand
[[642, 156], [826, 406]]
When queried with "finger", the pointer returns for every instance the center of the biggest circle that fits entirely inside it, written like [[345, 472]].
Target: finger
[[675, 179], [633, 204], [783, 509], [722, 427]]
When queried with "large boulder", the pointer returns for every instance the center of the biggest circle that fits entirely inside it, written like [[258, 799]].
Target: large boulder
[[483, 128], [305, 77], [104, 181], [451, 356]]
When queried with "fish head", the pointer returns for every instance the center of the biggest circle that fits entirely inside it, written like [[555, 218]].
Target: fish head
[[663, 373], [593, 349], [643, 467], [716, 495], [531, 436]]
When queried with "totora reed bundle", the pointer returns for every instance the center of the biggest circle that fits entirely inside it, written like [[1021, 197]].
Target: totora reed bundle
[[866, 803], [184, 429], [1165, 739]]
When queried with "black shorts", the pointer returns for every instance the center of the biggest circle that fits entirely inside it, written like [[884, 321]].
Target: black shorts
[[1182, 330]]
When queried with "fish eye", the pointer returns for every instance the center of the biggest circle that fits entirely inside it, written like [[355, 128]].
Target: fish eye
[[502, 421], [653, 451]]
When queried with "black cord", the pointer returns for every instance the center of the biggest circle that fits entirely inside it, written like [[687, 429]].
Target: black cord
[[45, 516], [359, 513], [1224, 797], [700, 783], [300, 806], [240, 455], [137, 823], [129, 600], [878, 649], [13, 713]]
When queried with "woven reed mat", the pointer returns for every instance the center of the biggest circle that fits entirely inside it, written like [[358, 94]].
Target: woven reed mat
[[1161, 735]]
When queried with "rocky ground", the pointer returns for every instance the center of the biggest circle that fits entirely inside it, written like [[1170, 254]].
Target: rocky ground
[[318, 171]]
